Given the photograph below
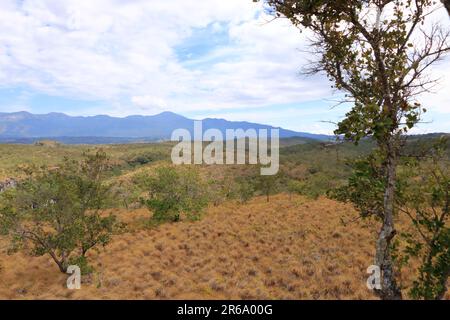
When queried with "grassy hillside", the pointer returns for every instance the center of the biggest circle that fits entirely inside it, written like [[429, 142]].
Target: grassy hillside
[[291, 248], [297, 245]]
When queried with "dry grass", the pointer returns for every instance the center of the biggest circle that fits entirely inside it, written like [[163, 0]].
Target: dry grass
[[287, 249]]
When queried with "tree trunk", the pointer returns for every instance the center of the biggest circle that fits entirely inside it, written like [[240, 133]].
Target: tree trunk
[[389, 289], [62, 265]]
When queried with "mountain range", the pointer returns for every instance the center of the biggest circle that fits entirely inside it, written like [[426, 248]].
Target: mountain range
[[25, 127]]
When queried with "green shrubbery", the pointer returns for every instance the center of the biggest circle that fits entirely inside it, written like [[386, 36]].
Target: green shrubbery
[[245, 189], [146, 157], [174, 191], [56, 211]]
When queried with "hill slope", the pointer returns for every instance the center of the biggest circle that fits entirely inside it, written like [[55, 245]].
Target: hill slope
[[286, 249]]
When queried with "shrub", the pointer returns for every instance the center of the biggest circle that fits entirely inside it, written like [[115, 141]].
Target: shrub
[[145, 158], [174, 191], [251, 182], [268, 185], [82, 263], [245, 189], [295, 187]]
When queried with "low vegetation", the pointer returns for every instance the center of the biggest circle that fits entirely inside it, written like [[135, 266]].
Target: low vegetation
[[175, 191]]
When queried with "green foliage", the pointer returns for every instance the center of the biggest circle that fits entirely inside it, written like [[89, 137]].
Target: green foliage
[[251, 183], [366, 186], [176, 190], [56, 210], [268, 184], [425, 199], [82, 263], [372, 62], [146, 157], [123, 156], [245, 189], [221, 189], [312, 187], [8, 216], [97, 230], [316, 167]]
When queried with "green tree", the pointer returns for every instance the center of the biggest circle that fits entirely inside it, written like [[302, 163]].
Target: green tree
[[176, 190], [245, 188], [378, 53], [268, 184], [57, 211]]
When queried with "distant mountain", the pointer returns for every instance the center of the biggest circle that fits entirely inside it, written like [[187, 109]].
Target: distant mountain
[[24, 127]]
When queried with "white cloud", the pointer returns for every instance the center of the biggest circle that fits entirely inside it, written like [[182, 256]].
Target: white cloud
[[438, 101], [111, 50], [124, 53]]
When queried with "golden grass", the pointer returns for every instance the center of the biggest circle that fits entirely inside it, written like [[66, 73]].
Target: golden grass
[[287, 249]]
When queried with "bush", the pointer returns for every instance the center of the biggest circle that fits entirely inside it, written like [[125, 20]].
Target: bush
[[245, 190], [174, 191], [145, 158], [295, 187], [268, 185]]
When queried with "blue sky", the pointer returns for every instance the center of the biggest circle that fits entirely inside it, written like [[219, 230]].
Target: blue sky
[[215, 58]]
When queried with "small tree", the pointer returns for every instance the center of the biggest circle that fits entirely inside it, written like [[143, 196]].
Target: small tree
[[56, 211], [245, 188], [174, 191], [294, 187], [268, 184]]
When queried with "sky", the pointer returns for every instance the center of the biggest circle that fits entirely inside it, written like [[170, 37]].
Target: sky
[[215, 58]]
